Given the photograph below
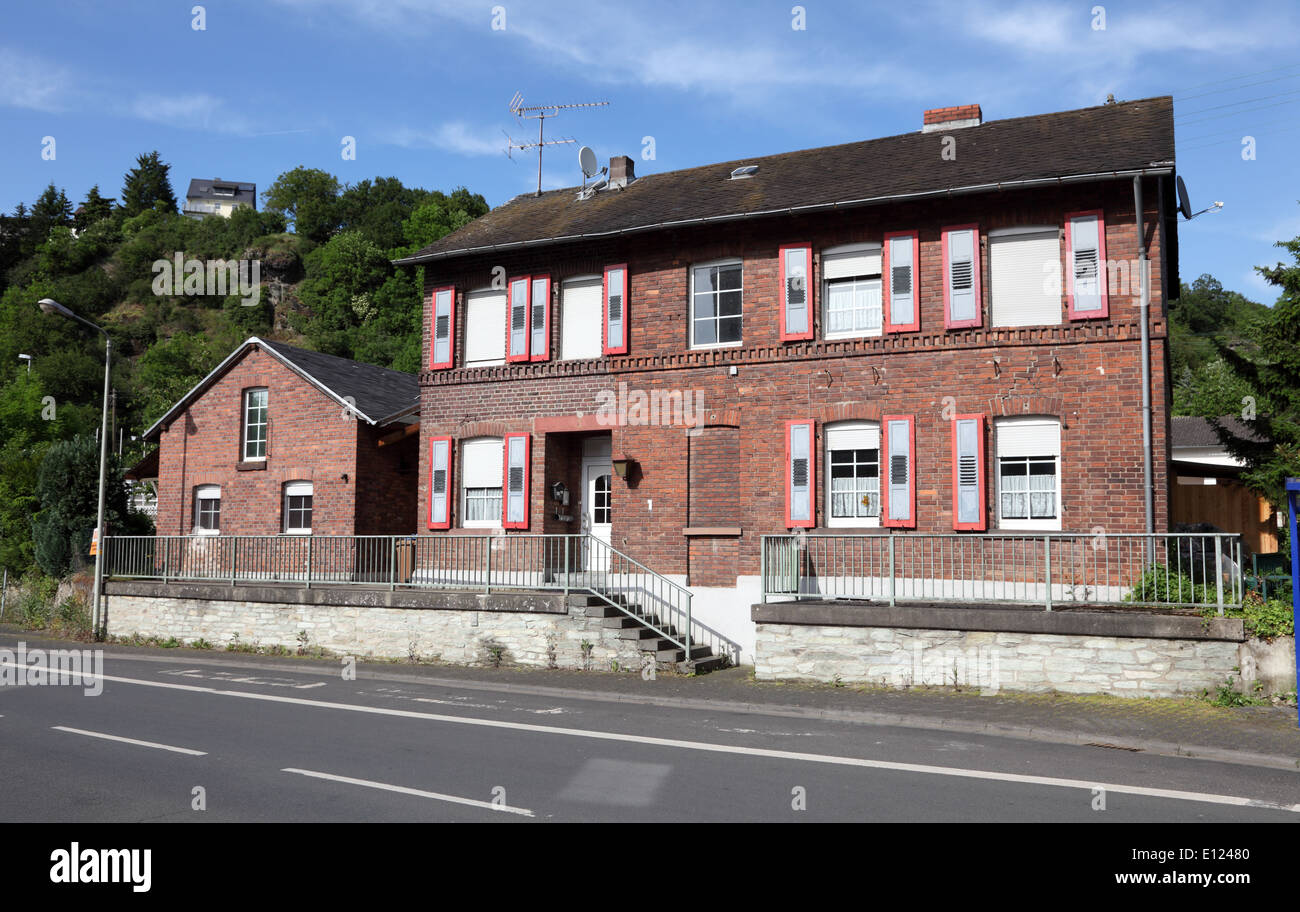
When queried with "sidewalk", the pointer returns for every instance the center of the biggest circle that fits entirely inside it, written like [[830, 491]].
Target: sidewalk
[[1255, 735]]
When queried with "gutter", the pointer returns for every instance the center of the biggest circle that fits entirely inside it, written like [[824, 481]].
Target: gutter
[[1155, 170]]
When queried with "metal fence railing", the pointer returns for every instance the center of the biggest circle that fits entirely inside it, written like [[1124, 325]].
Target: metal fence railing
[[1057, 568], [485, 563]]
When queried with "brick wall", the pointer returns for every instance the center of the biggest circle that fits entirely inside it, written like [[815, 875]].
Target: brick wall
[[309, 439], [1086, 373]]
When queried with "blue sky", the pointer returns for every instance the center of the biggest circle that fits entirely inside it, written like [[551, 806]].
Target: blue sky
[[423, 87]]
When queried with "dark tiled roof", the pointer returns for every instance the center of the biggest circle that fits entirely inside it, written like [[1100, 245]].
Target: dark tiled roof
[[379, 395], [1117, 137], [201, 188], [378, 392], [1198, 432]]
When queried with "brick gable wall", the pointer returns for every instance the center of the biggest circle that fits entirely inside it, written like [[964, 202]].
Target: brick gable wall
[[309, 439]]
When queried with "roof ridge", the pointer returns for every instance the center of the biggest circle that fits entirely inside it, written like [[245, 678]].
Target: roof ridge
[[758, 159]]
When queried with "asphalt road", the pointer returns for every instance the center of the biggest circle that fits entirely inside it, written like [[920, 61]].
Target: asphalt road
[[276, 745]]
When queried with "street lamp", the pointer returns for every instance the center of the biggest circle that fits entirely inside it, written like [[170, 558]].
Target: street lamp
[[28, 359], [50, 306]]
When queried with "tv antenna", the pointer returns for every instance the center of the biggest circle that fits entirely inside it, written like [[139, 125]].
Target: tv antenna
[[540, 113]]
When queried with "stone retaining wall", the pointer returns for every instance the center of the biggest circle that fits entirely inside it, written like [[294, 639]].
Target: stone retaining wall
[[535, 630], [990, 649]]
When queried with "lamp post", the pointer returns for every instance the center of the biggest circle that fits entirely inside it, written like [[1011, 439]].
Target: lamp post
[[28, 359], [51, 306]]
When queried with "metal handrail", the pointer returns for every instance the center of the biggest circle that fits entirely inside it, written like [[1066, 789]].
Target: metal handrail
[[1186, 569], [530, 561]]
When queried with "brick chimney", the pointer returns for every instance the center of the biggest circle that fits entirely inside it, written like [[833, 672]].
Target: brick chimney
[[952, 118], [621, 171]]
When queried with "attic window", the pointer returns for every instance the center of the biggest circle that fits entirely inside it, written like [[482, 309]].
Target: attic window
[[744, 171]]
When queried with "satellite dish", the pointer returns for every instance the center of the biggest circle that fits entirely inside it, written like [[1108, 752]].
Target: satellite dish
[[1184, 203], [587, 160]]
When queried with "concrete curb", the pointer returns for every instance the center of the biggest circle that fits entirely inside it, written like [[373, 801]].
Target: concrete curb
[[374, 672]]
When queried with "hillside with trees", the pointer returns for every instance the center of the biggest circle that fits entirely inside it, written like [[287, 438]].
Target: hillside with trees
[[327, 283]]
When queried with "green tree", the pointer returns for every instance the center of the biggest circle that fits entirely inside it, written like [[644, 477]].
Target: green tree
[[67, 487], [1272, 366], [94, 209], [439, 216], [51, 210], [343, 277], [1213, 390], [1205, 312], [309, 199], [148, 186], [171, 368]]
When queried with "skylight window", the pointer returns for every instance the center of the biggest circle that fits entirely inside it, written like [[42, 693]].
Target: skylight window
[[744, 171]]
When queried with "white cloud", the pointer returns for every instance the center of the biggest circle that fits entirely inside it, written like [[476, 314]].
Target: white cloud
[[687, 47], [32, 82], [454, 136], [1257, 288], [189, 111]]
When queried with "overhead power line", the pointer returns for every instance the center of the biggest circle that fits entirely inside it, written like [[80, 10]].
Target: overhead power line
[[1233, 104]]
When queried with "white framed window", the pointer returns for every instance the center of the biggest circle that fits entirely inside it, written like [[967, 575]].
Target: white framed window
[[207, 510], [482, 469], [1025, 276], [852, 473], [851, 299], [1029, 472], [255, 424], [580, 318], [485, 327], [716, 303], [297, 508]]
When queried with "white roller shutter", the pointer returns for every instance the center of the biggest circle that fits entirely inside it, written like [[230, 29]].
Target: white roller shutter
[[1028, 437], [580, 318], [482, 463], [485, 327], [862, 437], [1025, 271], [840, 263]]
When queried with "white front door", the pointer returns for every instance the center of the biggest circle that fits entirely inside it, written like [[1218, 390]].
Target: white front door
[[597, 484]]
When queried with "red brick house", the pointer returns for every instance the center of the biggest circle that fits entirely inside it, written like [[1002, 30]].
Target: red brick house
[[940, 331], [281, 440]]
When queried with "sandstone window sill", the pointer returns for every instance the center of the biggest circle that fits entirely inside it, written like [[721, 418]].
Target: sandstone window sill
[[712, 531]]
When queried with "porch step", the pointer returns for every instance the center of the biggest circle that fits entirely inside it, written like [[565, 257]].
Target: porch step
[[706, 664], [631, 624], [674, 654]]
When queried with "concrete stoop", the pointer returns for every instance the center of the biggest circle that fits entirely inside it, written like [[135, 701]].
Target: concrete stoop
[[647, 631]]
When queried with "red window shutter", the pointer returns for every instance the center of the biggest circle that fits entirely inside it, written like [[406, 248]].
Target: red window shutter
[[442, 333], [514, 486], [614, 310], [517, 318], [1086, 276], [962, 301], [898, 484], [968, 490], [796, 305], [800, 474], [539, 327], [440, 483], [901, 281]]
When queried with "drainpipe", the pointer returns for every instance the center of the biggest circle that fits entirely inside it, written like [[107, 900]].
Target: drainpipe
[[1144, 284]]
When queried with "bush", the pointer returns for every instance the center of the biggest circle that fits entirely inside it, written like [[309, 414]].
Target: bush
[[35, 602], [1159, 584], [1265, 620]]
